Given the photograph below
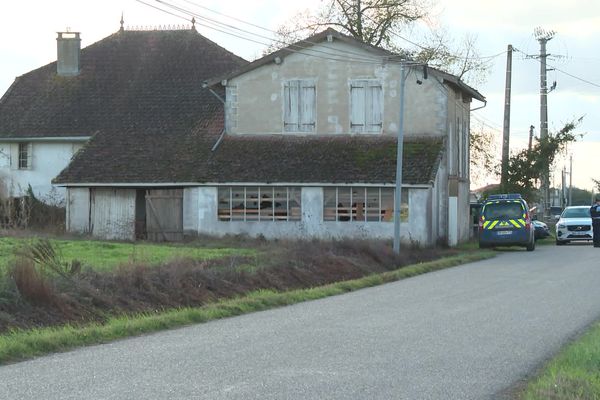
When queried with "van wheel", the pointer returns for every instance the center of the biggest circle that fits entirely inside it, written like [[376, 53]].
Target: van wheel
[[531, 246]]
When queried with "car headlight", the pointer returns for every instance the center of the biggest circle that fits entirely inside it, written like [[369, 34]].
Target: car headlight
[[561, 226]]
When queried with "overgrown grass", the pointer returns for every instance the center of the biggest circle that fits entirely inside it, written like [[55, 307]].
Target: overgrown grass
[[572, 375], [105, 256], [20, 344]]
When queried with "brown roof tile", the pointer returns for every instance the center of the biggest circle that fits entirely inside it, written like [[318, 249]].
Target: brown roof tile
[[187, 158], [131, 79]]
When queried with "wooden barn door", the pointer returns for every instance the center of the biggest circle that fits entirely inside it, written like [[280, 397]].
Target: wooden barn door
[[164, 215]]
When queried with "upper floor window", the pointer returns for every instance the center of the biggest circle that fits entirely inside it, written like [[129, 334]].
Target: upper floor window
[[366, 106], [24, 159], [299, 102]]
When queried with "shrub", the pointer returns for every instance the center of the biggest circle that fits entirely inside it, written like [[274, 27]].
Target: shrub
[[31, 283]]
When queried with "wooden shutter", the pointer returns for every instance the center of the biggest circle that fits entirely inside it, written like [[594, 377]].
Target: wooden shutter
[[357, 106], [291, 118], [374, 107], [307, 106]]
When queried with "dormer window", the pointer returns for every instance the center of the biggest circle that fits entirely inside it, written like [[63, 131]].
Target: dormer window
[[366, 106], [299, 103]]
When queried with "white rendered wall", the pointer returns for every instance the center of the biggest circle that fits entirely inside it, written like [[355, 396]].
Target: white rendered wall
[[48, 160], [311, 225]]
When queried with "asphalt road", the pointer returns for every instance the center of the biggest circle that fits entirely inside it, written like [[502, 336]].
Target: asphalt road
[[468, 332]]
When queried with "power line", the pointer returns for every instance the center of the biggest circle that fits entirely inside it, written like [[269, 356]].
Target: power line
[[361, 57], [224, 25], [307, 49], [560, 70]]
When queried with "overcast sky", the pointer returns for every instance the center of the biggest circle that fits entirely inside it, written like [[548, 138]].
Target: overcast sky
[[28, 32]]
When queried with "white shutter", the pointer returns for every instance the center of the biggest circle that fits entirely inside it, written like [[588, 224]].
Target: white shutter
[[374, 107], [307, 107], [290, 104], [357, 106], [14, 156]]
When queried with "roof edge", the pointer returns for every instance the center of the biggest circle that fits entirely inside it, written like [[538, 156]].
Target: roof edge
[[299, 46]]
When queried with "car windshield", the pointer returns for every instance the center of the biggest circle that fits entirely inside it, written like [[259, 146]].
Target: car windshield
[[512, 210], [576, 213]]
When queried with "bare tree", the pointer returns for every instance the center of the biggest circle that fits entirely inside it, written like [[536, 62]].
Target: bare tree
[[460, 58], [379, 23], [370, 21], [484, 153]]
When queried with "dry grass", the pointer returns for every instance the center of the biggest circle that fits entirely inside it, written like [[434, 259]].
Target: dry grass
[[50, 296]]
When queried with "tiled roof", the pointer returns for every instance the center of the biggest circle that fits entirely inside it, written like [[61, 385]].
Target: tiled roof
[[251, 159], [130, 80]]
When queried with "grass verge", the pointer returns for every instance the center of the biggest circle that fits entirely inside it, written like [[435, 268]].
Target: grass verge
[[22, 344], [573, 374], [105, 256]]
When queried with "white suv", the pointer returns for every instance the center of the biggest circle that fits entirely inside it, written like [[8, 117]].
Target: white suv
[[575, 224]]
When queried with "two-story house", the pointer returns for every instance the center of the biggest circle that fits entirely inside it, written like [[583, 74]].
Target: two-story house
[[37, 133], [307, 149]]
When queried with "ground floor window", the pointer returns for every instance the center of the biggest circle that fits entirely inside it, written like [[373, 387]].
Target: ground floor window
[[363, 204], [259, 203]]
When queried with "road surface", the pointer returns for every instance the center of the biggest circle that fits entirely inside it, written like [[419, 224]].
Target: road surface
[[469, 332]]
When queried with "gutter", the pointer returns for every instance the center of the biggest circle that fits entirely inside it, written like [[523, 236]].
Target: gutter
[[479, 108], [199, 184], [46, 139]]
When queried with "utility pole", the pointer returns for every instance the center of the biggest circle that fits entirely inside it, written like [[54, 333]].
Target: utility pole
[[563, 189], [506, 130], [543, 37], [531, 128], [399, 148], [571, 181], [404, 70]]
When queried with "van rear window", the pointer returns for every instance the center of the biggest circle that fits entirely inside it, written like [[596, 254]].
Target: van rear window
[[510, 210]]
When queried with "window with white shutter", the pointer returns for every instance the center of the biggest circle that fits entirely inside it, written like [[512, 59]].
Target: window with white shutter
[[366, 106], [299, 98]]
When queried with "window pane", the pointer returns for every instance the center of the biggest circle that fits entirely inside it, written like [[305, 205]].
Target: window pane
[[237, 204], [266, 203], [404, 206], [295, 201], [344, 206], [387, 204], [373, 210], [358, 204], [280, 202], [252, 203], [224, 204], [329, 204], [23, 155]]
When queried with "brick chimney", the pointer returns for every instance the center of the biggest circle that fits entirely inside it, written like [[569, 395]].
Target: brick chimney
[[68, 46]]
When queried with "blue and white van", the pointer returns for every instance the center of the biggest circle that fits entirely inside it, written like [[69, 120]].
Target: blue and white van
[[504, 220]]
